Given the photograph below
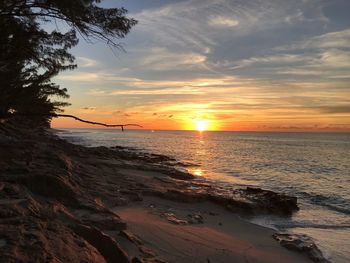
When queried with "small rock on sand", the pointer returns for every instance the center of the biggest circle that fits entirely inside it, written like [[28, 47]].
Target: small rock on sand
[[173, 219], [195, 219]]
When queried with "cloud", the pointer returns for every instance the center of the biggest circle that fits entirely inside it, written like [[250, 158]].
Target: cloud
[[196, 86], [173, 25], [222, 21], [325, 63], [315, 127], [97, 92], [88, 109], [286, 59], [180, 35], [335, 109], [101, 76], [177, 91], [82, 76], [163, 59], [335, 39], [331, 64], [335, 58], [86, 62]]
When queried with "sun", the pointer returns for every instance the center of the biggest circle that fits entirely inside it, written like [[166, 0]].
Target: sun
[[201, 125]]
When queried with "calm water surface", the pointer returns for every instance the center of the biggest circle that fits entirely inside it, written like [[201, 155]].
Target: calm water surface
[[315, 167]]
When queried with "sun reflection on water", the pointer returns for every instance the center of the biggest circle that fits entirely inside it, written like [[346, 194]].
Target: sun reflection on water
[[197, 172]]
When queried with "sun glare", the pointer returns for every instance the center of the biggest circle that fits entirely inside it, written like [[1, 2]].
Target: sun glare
[[201, 125]]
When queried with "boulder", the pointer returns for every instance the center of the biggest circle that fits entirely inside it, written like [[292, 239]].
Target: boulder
[[272, 201], [301, 243]]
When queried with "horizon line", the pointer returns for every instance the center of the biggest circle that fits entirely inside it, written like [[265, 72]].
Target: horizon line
[[257, 131]]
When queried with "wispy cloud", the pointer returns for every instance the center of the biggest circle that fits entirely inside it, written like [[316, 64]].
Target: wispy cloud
[[153, 92], [222, 21], [163, 59], [283, 59], [336, 39], [79, 76], [86, 62]]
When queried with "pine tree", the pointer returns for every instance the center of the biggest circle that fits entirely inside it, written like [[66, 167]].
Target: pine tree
[[30, 56]]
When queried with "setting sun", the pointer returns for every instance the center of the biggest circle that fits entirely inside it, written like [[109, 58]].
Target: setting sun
[[201, 125]]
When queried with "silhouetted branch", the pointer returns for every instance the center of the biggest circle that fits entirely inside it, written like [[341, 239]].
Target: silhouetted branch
[[54, 115], [97, 123]]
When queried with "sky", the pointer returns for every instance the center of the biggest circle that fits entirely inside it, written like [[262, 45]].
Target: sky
[[255, 65]]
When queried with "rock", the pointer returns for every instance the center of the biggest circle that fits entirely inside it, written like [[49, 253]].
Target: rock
[[233, 203], [195, 219], [272, 201], [105, 221], [132, 195], [107, 246], [147, 260], [174, 173], [184, 196], [301, 243], [50, 186], [131, 237], [213, 214], [148, 253], [33, 242], [173, 219]]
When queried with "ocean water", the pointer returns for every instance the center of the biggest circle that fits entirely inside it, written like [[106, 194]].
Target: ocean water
[[315, 167]]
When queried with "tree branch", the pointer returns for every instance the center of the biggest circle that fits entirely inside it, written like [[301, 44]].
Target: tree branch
[[54, 115], [96, 123]]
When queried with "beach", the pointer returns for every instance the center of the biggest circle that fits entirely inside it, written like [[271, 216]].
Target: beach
[[68, 203], [310, 166]]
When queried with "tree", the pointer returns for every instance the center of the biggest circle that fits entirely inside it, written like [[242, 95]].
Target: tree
[[30, 55]]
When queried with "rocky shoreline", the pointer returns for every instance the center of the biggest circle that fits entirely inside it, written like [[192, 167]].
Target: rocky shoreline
[[59, 202]]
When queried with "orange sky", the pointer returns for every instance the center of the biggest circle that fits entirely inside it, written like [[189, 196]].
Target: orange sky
[[207, 119]]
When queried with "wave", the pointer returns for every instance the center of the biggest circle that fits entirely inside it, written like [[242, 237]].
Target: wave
[[334, 202]]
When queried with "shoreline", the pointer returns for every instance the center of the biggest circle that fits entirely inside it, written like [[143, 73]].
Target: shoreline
[[65, 200]]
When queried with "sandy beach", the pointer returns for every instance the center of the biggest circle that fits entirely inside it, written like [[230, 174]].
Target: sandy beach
[[213, 234], [67, 203]]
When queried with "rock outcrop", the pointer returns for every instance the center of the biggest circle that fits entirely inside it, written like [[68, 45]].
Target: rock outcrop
[[301, 243]]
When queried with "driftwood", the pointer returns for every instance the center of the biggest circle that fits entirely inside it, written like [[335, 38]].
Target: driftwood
[[96, 123]]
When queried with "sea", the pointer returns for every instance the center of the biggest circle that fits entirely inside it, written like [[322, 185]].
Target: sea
[[314, 167]]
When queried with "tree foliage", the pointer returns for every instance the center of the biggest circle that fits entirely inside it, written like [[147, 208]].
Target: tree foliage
[[30, 55]]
